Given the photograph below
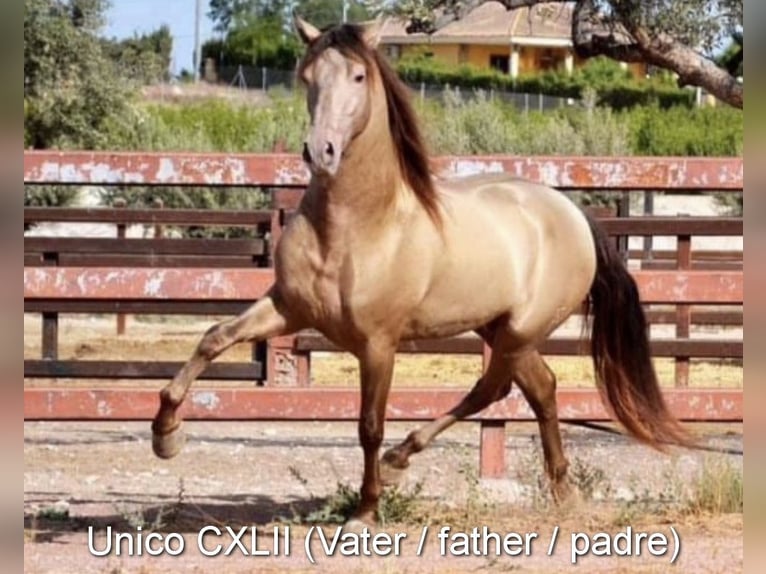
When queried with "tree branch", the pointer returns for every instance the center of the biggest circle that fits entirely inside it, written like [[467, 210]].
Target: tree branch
[[627, 41], [620, 38]]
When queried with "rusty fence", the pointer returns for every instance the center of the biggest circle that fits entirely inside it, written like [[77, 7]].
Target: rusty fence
[[685, 287]]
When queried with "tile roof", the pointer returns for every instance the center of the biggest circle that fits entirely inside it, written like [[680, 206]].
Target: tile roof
[[492, 23]]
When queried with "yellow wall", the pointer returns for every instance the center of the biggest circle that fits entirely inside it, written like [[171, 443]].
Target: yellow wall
[[534, 59], [445, 53], [477, 55], [531, 58]]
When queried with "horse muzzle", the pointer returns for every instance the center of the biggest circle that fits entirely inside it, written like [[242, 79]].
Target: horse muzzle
[[323, 157]]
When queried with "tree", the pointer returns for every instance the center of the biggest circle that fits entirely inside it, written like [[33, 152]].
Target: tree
[[72, 93], [324, 13], [226, 13], [71, 89], [676, 35], [733, 56], [256, 34], [145, 57]]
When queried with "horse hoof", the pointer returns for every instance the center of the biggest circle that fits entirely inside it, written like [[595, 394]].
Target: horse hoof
[[392, 468], [566, 495], [170, 444], [391, 475], [356, 526]]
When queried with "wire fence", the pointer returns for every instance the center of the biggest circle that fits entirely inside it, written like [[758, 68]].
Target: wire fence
[[265, 79]]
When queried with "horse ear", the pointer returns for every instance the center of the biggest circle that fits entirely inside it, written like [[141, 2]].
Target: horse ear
[[307, 32], [371, 31]]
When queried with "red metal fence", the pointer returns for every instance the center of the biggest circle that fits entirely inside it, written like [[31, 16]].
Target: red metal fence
[[62, 288]]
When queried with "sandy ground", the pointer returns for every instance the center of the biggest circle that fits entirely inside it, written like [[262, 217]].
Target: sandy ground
[[104, 474], [81, 475]]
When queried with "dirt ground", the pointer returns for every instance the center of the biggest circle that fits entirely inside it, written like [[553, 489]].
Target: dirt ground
[[81, 475], [231, 474]]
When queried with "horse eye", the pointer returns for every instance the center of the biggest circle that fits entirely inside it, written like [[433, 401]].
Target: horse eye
[[359, 78]]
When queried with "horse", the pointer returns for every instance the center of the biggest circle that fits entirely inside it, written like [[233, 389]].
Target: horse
[[381, 251]]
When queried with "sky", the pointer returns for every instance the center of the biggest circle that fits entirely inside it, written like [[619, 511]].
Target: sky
[[127, 17]]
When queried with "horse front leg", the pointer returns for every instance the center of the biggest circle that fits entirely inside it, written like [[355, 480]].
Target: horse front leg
[[266, 318], [376, 368]]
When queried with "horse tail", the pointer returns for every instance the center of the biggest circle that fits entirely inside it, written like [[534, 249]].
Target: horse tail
[[622, 361]]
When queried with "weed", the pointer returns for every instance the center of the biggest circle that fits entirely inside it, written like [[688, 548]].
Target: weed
[[395, 505], [53, 513], [590, 481], [719, 489]]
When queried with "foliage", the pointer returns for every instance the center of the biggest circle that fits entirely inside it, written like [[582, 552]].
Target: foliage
[[259, 32], [475, 125], [395, 506], [71, 90], [463, 122], [719, 489], [680, 36], [72, 93], [324, 13], [256, 33], [732, 57], [686, 132], [144, 58], [209, 126], [614, 87]]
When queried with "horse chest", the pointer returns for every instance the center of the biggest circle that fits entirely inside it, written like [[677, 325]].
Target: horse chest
[[310, 283]]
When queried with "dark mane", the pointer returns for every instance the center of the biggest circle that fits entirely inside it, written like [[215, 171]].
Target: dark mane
[[414, 166]]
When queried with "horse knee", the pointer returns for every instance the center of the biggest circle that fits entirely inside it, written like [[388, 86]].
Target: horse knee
[[370, 430], [212, 343]]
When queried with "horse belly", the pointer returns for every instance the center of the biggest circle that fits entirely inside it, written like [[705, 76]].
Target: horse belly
[[469, 293]]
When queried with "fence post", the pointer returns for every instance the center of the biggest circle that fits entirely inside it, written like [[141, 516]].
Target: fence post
[[492, 449], [159, 232], [50, 321], [284, 367], [120, 203], [683, 311], [623, 210], [263, 78], [648, 210]]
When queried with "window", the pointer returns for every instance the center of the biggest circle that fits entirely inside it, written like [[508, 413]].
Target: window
[[499, 62], [462, 54], [549, 59], [394, 51]]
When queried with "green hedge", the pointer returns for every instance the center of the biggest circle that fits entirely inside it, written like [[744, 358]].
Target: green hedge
[[614, 86]]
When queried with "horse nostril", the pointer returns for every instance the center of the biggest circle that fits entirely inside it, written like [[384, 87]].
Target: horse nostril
[[306, 153], [329, 149]]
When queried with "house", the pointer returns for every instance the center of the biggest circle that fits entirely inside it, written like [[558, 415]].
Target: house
[[520, 41]]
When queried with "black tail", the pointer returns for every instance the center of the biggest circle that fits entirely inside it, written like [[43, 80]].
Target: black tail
[[620, 348]]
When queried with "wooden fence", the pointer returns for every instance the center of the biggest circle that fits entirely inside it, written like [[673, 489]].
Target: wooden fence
[[684, 287]]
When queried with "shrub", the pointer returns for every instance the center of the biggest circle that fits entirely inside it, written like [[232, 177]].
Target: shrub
[[614, 86]]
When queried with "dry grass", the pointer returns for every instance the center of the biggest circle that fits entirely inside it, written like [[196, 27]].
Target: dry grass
[[94, 338]]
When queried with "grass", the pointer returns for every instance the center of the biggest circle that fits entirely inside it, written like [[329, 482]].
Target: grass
[[396, 505], [719, 489]]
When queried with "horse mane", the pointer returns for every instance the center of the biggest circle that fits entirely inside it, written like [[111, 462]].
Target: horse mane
[[414, 166]]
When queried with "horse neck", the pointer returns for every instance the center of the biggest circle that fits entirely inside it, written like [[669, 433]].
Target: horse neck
[[369, 181]]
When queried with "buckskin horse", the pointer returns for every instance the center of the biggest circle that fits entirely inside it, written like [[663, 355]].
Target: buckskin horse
[[381, 251]]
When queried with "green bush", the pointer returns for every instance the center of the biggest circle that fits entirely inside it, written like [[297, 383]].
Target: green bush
[[614, 86]]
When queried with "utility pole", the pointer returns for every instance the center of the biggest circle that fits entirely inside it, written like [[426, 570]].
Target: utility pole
[[197, 40]]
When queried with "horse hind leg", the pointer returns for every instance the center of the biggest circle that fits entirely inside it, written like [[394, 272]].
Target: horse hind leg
[[494, 385], [260, 321], [538, 384]]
